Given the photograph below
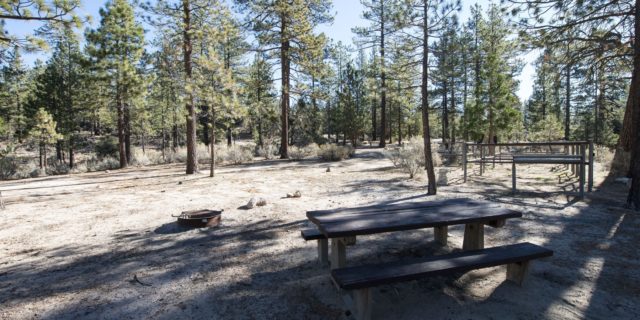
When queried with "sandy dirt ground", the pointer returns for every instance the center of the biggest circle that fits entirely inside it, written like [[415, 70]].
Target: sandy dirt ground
[[70, 246]]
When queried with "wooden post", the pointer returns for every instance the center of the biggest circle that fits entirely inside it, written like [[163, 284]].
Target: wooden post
[[577, 171], [582, 173], [464, 160], [516, 272], [323, 251], [573, 166], [440, 234], [338, 257], [363, 302], [592, 152], [481, 159], [513, 176], [473, 236]]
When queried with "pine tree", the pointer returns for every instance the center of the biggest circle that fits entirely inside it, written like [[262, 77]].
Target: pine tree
[[50, 13], [117, 46], [44, 133], [287, 26]]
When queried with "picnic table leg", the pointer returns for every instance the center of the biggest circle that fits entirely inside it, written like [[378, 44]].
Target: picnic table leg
[[323, 251], [440, 234], [473, 236], [362, 301], [516, 272], [338, 257]]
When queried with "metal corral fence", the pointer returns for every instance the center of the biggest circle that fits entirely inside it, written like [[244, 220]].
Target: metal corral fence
[[503, 153]]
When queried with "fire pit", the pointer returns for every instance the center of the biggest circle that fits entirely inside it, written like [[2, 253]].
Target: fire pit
[[200, 218]]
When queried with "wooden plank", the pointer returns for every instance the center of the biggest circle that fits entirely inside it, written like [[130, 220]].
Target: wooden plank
[[473, 236], [399, 207], [359, 277], [312, 234], [355, 225], [440, 207], [441, 234]]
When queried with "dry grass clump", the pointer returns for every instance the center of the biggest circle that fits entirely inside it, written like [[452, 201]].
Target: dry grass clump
[[332, 152], [300, 153], [268, 151]]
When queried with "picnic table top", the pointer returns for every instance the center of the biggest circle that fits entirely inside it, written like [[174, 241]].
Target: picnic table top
[[348, 222]]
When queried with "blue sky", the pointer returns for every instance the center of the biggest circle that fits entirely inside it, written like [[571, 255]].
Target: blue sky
[[348, 15]]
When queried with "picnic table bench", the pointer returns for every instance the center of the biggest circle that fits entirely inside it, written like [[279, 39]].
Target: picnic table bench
[[358, 280], [549, 159]]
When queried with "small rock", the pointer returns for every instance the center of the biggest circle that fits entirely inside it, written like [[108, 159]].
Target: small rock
[[328, 169], [107, 171], [289, 195], [180, 182], [252, 203], [256, 202], [297, 194]]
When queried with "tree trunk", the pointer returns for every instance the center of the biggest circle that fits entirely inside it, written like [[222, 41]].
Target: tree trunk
[[634, 194], [383, 81], [567, 108], [445, 115], [192, 157], [71, 156], [41, 154], [121, 140], [285, 66], [212, 143], [374, 120], [425, 102], [127, 131], [59, 150]]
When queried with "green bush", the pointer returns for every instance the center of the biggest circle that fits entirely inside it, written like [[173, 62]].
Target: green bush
[[107, 147]]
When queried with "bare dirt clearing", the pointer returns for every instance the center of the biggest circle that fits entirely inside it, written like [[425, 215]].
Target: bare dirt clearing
[[104, 245]]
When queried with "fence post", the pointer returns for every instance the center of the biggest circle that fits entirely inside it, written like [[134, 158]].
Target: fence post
[[582, 173], [481, 159], [592, 152], [464, 160]]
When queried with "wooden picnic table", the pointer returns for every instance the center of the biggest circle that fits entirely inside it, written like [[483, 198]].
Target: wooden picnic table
[[342, 226]]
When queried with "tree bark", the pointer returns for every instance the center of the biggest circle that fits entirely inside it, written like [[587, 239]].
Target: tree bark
[[121, 140], [285, 66], [426, 134], [212, 143], [127, 131], [383, 81], [192, 157], [634, 193], [567, 108]]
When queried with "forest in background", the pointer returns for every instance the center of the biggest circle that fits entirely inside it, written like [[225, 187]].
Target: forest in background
[[257, 70]]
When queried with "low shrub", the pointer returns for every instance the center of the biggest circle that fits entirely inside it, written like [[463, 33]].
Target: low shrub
[[393, 155], [332, 152], [299, 153], [107, 147], [107, 163], [269, 151], [411, 160], [238, 154]]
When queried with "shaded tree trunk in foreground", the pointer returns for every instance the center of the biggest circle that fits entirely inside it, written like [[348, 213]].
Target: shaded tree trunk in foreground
[[634, 194]]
